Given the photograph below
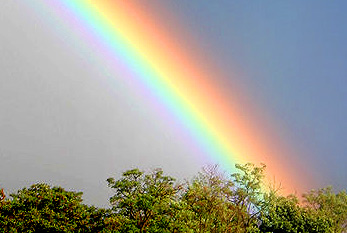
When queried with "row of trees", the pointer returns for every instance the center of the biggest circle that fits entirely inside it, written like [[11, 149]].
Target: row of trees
[[153, 202]]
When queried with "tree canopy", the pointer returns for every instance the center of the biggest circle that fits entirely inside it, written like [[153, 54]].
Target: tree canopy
[[211, 202]]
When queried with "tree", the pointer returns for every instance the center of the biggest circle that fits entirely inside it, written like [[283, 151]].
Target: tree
[[144, 202], [333, 206], [248, 195], [207, 199], [211, 202], [42, 208], [221, 204], [284, 214]]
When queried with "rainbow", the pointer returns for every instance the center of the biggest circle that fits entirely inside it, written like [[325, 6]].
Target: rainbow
[[156, 57]]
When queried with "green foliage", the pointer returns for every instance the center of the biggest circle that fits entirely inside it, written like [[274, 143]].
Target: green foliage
[[216, 203], [46, 209], [330, 205], [248, 195], [249, 183], [208, 202], [284, 214], [211, 202], [144, 201], [324, 211]]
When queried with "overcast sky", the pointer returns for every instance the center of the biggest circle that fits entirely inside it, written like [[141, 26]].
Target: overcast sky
[[65, 121]]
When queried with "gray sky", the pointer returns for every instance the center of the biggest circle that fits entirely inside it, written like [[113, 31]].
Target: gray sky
[[63, 121]]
